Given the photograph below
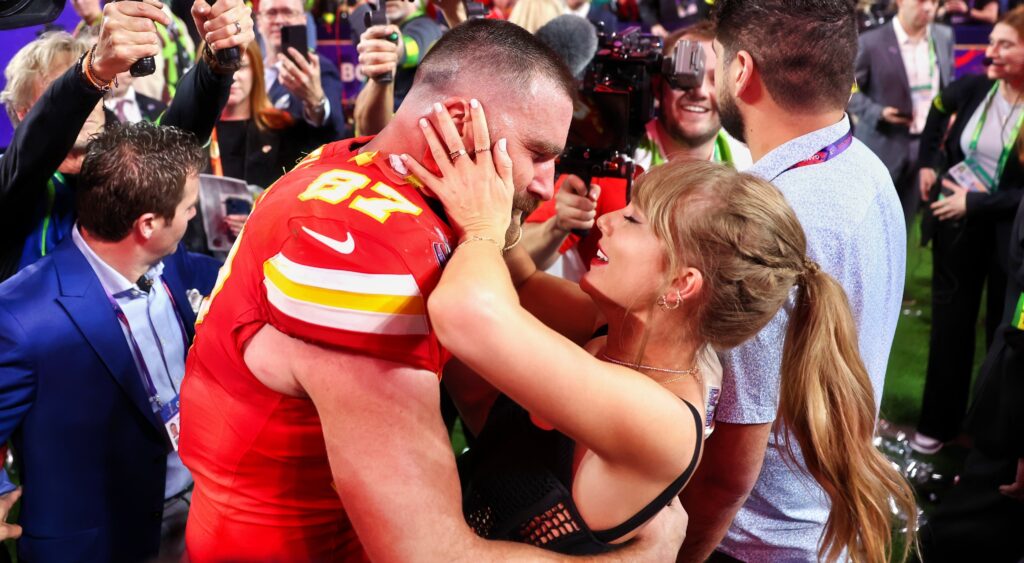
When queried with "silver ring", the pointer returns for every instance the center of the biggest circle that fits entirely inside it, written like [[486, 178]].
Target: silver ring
[[454, 155], [238, 28]]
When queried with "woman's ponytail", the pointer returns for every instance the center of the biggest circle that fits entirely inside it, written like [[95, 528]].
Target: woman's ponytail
[[827, 405]]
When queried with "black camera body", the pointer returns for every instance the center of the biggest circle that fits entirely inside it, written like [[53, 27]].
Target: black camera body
[[616, 101]]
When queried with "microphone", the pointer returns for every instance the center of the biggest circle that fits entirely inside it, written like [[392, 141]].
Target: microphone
[[573, 38]]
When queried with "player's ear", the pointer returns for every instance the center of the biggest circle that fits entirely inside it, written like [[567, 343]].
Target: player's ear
[[458, 109]]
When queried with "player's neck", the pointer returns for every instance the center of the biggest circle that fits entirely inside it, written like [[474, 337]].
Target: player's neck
[[395, 139]]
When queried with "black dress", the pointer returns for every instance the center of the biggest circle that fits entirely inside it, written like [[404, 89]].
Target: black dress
[[517, 486]]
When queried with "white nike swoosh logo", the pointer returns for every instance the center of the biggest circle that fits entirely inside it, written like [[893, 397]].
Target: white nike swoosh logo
[[347, 246]]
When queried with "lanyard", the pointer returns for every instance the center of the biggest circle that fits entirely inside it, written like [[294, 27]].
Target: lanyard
[[215, 162], [1018, 314], [51, 197], [154, 395], [932, 64], [828, 153], [1008, 146]]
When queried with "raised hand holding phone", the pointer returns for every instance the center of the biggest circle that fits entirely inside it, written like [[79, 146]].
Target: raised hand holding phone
[[226, 27]]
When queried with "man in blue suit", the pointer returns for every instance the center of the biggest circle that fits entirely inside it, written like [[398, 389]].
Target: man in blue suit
[[92, 348]]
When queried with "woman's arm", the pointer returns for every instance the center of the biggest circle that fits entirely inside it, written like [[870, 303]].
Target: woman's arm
[[560, 304], [612, 410]]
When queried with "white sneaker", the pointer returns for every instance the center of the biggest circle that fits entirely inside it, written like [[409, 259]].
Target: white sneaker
[[925, 444]]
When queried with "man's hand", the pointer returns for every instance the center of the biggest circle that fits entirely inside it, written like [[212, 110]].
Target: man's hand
[[575, 206], [926, 180], [127, 34], [956, 7], [661, 538], [89, 10], [301, 77], [1015, 490], [893, 116], [9, 531], [378, 55], [218, 23], [234, 223], [953, 206], [659, 30]]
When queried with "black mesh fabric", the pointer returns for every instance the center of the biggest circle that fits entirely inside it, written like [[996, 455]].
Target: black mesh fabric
[[517, 486], [517, 482]]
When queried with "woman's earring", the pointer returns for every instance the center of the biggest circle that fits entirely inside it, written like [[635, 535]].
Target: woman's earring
[[667, 305]]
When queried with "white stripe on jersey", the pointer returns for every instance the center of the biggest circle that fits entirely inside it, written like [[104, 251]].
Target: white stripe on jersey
[[346, 319], [352, 282]]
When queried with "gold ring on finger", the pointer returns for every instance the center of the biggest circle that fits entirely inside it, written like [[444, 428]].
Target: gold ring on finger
[[454, 155]]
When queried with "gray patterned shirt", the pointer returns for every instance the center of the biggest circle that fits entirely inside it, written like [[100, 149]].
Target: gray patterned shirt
[[855, 230]]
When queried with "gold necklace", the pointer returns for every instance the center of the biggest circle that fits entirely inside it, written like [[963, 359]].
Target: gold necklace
[[679, 373]]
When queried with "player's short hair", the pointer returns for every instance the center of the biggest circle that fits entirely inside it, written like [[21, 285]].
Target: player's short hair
[[804, 49], [495, 50], [133, 169]]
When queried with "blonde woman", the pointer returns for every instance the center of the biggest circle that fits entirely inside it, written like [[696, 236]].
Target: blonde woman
[[601, 436]]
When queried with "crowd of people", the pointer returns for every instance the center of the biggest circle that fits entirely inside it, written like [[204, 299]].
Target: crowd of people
[[683, 364]]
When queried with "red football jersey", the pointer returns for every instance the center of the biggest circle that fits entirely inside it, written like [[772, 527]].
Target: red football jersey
[[343, 252]]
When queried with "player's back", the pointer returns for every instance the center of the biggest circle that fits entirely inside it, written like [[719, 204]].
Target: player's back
[[340, 252]]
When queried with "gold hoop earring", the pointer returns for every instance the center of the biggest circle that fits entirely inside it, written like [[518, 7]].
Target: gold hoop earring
[[666, 305]]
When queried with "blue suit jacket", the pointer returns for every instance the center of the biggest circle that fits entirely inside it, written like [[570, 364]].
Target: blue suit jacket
[[90, 452], [333, 128]]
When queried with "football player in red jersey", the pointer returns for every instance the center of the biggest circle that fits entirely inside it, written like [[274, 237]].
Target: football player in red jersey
[[310, 405]]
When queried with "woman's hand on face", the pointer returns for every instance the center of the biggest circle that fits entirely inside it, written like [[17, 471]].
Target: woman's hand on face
[[475, 185]]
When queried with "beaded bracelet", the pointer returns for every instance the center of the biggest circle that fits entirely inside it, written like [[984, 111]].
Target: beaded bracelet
[[90, 73]]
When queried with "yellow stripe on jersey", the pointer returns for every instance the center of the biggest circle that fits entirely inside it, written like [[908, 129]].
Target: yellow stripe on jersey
[[342, 299], [345, 319]]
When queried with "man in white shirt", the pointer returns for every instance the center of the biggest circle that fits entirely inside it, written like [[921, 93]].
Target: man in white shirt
[[130, 106], [901, 67]]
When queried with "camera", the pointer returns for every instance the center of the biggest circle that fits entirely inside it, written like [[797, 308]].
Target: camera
[[616, 101]]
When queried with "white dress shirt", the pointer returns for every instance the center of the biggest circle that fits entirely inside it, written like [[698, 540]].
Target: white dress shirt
[[921, 64]]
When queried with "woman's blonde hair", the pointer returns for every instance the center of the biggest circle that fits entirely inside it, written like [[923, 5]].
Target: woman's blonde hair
[[34, 67], [531, 15], [740, 233]]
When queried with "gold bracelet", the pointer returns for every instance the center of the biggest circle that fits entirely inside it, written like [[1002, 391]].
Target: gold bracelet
[[519, 237], [478, 238]]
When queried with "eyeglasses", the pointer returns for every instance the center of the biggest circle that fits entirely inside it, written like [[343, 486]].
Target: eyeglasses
[[282, 13]]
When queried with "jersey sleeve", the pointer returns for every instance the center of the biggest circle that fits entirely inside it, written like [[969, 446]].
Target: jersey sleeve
[[338, 286]]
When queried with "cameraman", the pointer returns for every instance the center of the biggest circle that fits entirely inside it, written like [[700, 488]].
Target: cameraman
[[55, 120], [378, 55], [687, 127]]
